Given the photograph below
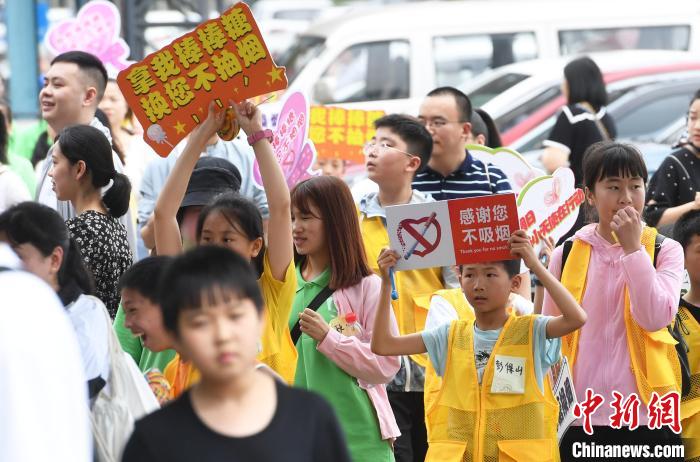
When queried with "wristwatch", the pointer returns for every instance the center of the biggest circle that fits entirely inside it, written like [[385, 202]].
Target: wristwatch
[[257, 136]]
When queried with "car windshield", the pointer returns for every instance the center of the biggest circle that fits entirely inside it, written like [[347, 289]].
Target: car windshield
[[495, 87], [304, 49]]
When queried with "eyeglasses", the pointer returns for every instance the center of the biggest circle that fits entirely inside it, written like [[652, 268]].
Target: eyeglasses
[[437, 123], [381, 148]]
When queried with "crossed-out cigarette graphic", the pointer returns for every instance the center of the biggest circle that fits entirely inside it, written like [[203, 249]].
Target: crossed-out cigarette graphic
[[411, 249]]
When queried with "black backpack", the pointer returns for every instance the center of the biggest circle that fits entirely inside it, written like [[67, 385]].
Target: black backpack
[[677, 329]]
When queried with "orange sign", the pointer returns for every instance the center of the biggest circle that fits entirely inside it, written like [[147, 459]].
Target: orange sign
[[340, 133], [223, 58], [481, 227]]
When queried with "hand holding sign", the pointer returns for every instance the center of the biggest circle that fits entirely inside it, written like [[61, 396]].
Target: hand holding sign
[[520, 246], [214, 121], [386, 261], [249, 117]]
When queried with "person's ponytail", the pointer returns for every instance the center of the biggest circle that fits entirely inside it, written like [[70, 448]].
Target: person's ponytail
[[116, 198], [86, 143]]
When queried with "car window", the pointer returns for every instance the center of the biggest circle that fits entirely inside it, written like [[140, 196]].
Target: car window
[[624, 38], [525, 110], [645, 120], [495, 87], [300, 54], [366, 72], [540, 133], [460, 57]]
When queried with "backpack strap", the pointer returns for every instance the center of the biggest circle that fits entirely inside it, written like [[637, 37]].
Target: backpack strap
[[321, 297], [657, 246], [565, 253]]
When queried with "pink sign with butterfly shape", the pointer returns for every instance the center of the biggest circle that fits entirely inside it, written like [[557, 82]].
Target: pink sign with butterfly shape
[[549, 205], [94, 30], [294, 151]]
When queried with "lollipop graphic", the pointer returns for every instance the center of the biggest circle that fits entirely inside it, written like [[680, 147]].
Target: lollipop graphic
[[155, 133]]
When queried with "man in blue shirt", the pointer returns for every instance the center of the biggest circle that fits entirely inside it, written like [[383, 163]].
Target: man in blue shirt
[[452, 172]]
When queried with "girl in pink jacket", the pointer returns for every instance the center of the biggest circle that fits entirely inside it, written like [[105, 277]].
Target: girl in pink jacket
[[335, 304], [629, 302]]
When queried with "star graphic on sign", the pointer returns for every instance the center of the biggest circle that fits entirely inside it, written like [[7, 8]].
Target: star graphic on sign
[[275, 73], [179, 127]]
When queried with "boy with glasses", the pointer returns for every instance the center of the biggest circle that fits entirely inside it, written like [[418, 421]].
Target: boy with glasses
[[451, 172], [400, 147]]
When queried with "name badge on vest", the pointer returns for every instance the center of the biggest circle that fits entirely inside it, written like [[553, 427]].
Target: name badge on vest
[[508, 375]]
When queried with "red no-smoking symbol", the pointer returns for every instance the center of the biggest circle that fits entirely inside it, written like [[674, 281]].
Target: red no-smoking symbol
[[417, 229]]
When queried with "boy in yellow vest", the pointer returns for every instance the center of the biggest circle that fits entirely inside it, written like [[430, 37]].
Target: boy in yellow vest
[[495, 403], [687, 233], [400, 147]]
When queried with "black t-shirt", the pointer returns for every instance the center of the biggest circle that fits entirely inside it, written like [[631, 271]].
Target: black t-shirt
[[575, 130], [673, 184], [303, 429], [692, 309]]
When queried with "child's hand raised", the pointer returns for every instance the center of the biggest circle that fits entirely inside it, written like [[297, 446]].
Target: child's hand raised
[[387, 260], [627, 225], [208, 128], [249, 117], [520, 246], [546, 250]]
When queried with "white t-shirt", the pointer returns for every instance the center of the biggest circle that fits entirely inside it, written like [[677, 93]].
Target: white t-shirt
[[12, 189], [43, 397], [86, 315]]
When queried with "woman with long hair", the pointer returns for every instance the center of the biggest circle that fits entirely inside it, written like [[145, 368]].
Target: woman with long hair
[[674, 189], [39, 236], [335, 304], [82, 169], [583, 121]]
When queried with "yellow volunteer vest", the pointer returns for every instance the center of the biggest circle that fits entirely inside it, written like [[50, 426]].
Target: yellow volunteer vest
[[652, 354], [470, 423], [690, 404], [415, 287], [433, 382]]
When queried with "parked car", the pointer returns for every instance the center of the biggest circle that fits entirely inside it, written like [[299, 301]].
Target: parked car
[[520, 109], [652, 117], [649, 112], [391, 57]]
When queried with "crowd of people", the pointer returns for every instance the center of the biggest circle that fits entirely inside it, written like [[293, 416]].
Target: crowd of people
[[173, 310]]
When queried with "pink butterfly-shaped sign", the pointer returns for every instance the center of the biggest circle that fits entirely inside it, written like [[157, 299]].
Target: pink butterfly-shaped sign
[[94, 30], [294, 151]]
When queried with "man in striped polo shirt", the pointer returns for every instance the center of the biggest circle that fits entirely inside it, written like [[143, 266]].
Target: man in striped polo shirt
[[452, 172]]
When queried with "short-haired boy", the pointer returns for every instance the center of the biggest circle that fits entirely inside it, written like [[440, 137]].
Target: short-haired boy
[[687, 232], [401, 146], [213, 308], [139, 323], [494, 399]]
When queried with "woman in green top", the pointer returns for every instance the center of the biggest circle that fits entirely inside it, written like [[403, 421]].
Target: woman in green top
[[334, 355]]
